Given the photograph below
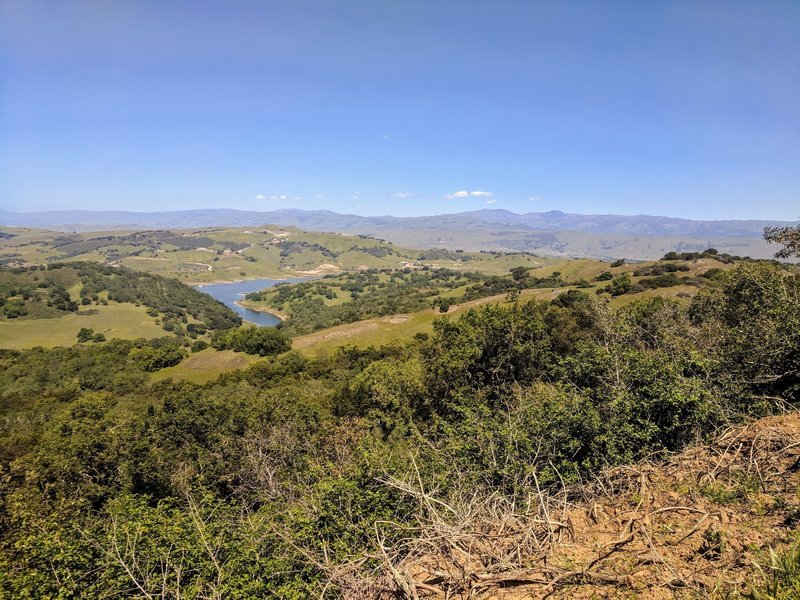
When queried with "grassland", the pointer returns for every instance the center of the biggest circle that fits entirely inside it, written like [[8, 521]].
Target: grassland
[[227, 254], [383, 330], [112, 320], [205, 366]]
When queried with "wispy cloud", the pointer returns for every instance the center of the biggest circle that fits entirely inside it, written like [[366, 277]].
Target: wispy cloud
[[492, 201], [402, 195], [466, 194], [277, 197], [534, 198]]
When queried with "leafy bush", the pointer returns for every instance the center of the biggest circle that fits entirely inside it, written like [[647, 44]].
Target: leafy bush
[[151, 358], [263, 341]]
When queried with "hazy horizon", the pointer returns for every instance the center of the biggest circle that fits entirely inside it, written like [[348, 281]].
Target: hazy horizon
[[394, 216]]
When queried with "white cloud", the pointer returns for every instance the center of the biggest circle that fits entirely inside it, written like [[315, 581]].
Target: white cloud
[[402, 195], [491, 201], [275, 197], [466, 194], [534, 198]]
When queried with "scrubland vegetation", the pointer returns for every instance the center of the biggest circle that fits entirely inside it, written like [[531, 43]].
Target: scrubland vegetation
[[298, 477], [339, 299]]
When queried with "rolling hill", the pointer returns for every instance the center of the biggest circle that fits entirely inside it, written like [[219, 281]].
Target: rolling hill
[[552, 233], [215, 253]]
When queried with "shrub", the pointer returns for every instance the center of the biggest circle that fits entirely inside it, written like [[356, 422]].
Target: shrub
[[199, 345], [263, 341], [151, 358]]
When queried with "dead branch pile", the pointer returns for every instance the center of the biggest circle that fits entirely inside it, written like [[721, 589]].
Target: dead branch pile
[[697, 524]]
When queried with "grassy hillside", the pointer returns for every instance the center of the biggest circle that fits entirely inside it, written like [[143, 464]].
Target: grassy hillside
[[225, 254], [380, 297], [368, 313], [49, 306], [205, 366], [115, 320], [552, 233]]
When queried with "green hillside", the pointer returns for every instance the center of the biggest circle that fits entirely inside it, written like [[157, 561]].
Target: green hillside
[[49, 306], [357, 308], [225, 254]]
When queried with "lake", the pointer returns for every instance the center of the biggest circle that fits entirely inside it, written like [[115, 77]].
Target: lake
[[229, 293]]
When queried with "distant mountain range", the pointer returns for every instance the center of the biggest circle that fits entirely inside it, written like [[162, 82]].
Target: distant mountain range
[[553, 232], [553, 220]]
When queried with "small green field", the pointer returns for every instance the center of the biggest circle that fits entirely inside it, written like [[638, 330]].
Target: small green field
[[112, 320], [206, 365]]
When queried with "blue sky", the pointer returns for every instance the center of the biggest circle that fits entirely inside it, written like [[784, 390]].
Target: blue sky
[[402, 107]]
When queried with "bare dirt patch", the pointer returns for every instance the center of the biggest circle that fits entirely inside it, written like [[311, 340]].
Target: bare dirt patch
[[323, 269], [395, 319]]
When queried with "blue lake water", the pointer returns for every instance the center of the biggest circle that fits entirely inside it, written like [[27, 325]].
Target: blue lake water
[[229, 293]]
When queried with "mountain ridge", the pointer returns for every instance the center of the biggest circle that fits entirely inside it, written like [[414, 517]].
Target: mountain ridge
[[642, 224]]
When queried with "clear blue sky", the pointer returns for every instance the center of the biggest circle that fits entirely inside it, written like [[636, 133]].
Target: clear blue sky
[[402, 107]]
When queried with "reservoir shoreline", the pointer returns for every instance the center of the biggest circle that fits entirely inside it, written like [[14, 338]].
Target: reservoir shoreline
[[280, 316], [232, 294]]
